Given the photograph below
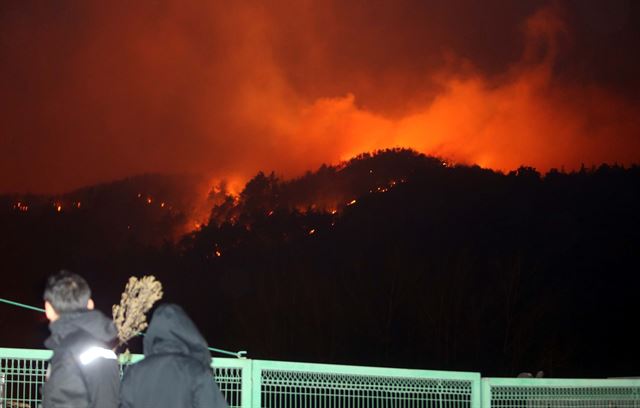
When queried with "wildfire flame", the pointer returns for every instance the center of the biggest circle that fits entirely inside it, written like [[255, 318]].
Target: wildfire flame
[[289, 80]]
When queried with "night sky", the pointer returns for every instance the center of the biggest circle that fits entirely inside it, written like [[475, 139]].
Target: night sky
[[97, 91]]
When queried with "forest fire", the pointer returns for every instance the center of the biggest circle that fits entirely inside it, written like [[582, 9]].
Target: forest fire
[[522, 112], [314, 238], [342, 181], [268, 196]]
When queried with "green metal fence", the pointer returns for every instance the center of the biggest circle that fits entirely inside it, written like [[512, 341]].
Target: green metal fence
[[22, 375], [275, 384], [560, 393], [299, 385], [22, 372]]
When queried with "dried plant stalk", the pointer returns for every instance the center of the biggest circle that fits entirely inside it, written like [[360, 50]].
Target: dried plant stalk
[[137, 299]]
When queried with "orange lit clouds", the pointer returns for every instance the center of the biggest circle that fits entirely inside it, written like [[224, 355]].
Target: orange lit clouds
[[101, 92], [522, 118]]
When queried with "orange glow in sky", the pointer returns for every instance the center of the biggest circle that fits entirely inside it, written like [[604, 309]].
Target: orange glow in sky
[[229, 90]]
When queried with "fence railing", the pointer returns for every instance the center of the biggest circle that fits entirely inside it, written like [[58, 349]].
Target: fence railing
[[249, 383], [298, 385], [539, 392], [24, 370]]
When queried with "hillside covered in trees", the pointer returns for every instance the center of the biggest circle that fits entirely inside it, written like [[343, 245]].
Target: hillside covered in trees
[[392, 258]]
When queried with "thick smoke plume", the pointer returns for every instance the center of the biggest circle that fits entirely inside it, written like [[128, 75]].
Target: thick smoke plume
[[99, 91]]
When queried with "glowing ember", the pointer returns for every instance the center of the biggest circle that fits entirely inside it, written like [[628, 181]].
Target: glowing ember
[[162, 205], [218, 253], [312, 231], [352, 202], [149, 200], [20, 206]]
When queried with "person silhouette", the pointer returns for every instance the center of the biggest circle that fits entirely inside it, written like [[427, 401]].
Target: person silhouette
[[176, 370]]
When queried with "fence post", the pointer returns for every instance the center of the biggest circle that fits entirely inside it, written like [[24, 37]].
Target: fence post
[[2, 390], [486, 393], [256, 384], [247, 385], [476, 387]]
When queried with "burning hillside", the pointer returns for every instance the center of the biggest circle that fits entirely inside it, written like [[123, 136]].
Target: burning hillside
[[153, 209]]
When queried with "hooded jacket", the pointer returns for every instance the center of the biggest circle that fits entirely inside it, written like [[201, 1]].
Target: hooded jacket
[[176, 370], [84, 372]]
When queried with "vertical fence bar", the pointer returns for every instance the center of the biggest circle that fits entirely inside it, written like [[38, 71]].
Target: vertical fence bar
[[247, 384], [256, 389], [2, 405], [13, 383], [486, 393]]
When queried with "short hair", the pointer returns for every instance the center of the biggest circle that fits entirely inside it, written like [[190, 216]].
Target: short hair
[[67, 292]]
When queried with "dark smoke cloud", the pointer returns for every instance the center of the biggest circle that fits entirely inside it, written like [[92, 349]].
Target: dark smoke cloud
[[94, 91]]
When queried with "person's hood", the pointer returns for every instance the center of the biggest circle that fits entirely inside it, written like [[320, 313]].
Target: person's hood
[[94, 322], [172, 331]]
